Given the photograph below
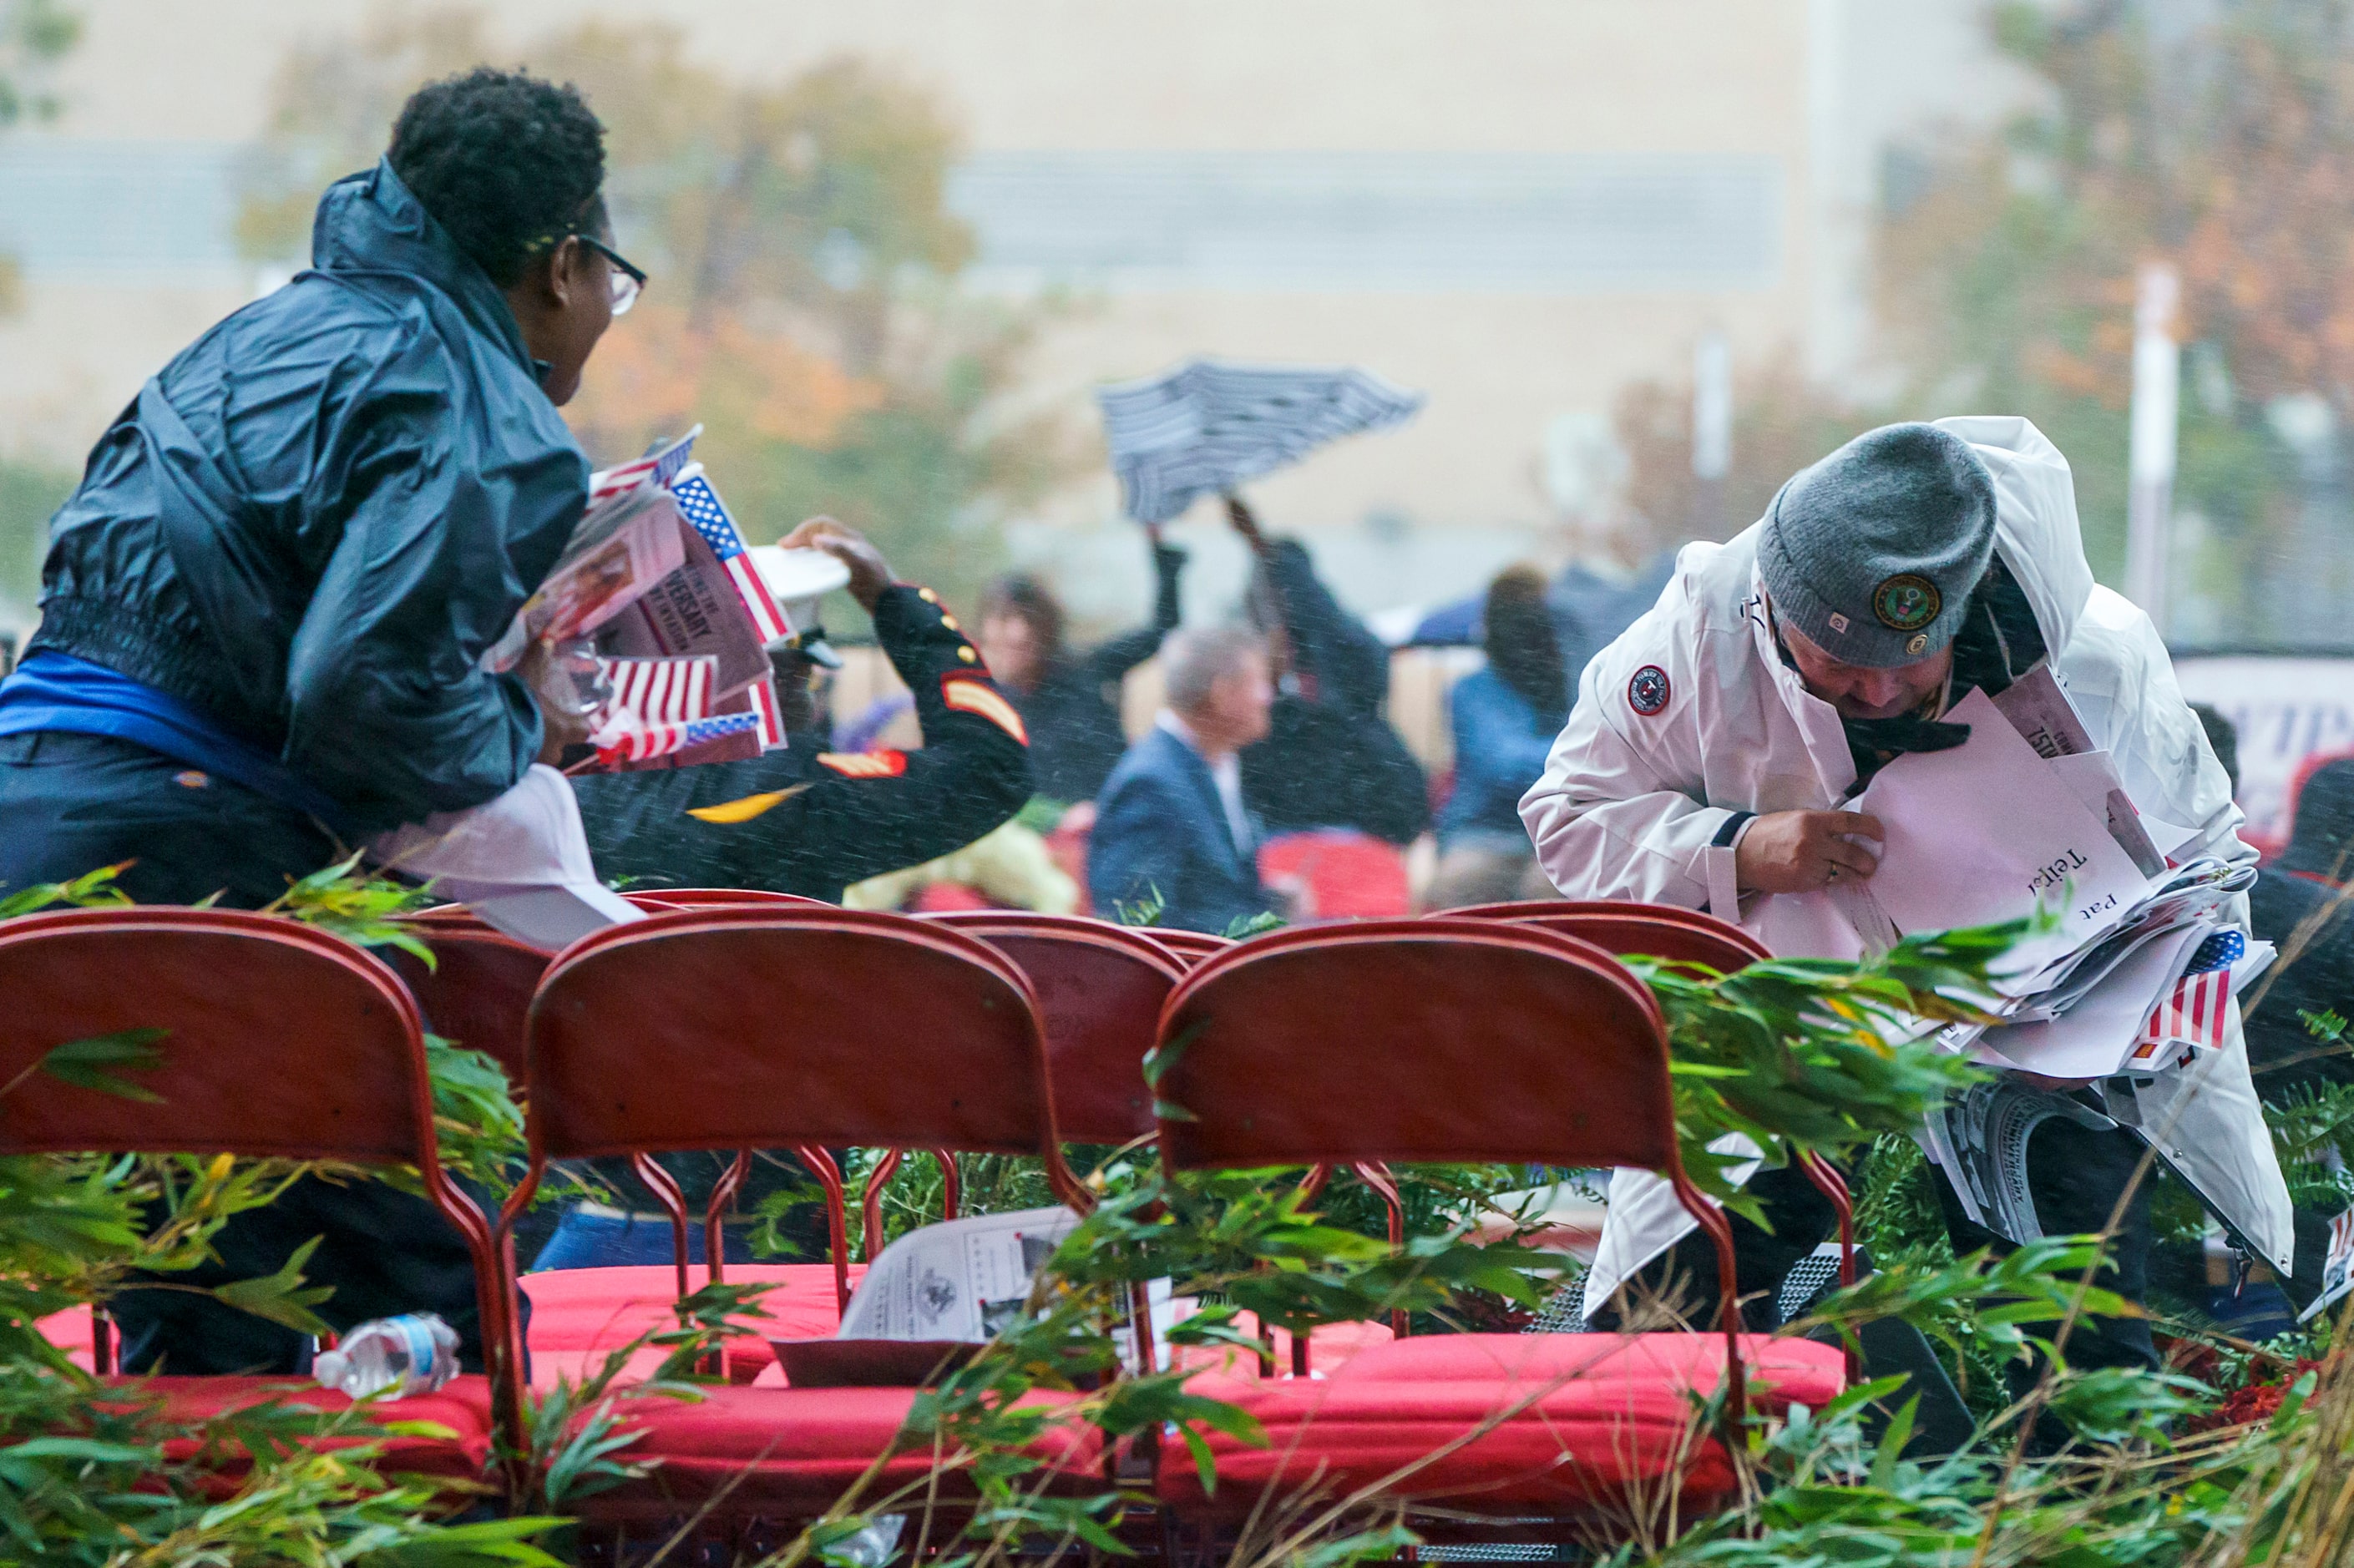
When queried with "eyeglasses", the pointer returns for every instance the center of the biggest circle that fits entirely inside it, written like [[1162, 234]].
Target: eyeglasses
[[628, 281]]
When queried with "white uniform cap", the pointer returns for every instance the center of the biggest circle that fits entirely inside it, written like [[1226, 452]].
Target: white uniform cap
[[798, 579]]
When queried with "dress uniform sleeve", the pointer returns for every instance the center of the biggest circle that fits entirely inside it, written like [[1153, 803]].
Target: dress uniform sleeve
[[1610, 819], [804, 819], [882, 810]]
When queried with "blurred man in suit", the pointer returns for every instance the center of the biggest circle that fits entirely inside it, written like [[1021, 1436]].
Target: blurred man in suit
[[1172, 833]]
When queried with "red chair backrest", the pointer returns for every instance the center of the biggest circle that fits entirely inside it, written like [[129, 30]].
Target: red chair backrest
[[1661, 930], [1191, 946], [1416, 1041], [755, 1026], [655, 900], [478, 991], [285, 1041], [1100, 991]]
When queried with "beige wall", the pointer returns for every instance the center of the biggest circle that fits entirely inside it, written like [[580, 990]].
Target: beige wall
[[1533, 75], [1580, 77], [1813, 88]]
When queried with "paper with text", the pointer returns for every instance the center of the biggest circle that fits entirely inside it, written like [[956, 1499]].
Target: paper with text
[[1985, 832]]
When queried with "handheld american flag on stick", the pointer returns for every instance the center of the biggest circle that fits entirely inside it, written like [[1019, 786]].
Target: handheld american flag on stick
[[2198, 1013], [661, 465], [703, 508], [662, 740]]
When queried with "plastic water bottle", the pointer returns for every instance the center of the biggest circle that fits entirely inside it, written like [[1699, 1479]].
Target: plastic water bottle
[[416, 1352]]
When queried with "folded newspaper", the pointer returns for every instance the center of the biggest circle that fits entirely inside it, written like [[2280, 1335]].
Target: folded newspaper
[[958, 1283], [661, 620], [2140, 971]]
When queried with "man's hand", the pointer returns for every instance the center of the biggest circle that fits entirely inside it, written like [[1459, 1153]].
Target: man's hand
[[562, 724], [1798, 851], [870, 574]]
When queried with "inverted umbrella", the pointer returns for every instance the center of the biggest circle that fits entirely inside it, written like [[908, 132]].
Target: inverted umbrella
[[1208, 425]]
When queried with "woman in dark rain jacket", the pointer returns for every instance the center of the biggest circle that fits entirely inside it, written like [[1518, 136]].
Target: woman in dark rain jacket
[[264, 609]]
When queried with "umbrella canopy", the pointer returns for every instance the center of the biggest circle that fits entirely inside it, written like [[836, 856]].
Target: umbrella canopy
[[1207, 426]]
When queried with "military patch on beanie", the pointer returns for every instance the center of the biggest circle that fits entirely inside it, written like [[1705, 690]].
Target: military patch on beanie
[[1873, 552]]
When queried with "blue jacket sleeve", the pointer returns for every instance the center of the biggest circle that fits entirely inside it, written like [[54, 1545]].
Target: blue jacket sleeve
[[388, 709]]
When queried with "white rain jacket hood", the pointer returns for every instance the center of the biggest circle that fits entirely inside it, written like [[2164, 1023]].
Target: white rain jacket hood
[[1691, 717]]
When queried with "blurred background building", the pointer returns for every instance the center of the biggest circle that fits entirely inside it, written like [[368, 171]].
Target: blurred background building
[[1520, 208], [1646, 259]]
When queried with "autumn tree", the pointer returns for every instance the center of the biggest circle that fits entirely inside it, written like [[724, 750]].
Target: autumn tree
[[34, 35], [803, 307], [2005, 267]]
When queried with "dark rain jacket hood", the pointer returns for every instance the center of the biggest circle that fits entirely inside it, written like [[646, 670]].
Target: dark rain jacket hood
[[312, 522]]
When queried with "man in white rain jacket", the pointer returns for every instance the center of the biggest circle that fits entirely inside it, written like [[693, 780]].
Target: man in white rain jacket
[[1713, 744]]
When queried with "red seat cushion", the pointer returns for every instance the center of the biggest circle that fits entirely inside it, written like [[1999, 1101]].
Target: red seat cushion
[[464, 1407], [1346, 875], [1792, 1371], [1594, 1420], [1331, 1345], [70, 1331], [578, 1314], [789, 1451]]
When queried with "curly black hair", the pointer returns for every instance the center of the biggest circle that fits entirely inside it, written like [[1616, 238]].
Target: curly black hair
[[505, 162]]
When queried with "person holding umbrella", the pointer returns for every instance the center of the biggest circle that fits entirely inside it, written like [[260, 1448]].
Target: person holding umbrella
[[1070, 700], [1329, 758]]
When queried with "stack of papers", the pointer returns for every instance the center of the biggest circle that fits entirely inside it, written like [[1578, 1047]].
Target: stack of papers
[[665, 619], [2137, 976]]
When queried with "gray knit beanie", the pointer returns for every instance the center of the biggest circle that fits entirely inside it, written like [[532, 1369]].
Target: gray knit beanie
[[1872, 553]]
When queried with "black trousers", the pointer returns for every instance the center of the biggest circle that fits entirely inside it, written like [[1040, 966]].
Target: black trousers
[[2076, 1174], [70, 803]]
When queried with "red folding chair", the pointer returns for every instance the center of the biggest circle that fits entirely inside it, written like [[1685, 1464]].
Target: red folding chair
[[1685, 935], [1460, 1040], [655, 900], [251, 1002], [1191, 946], [1688, 937], [579, 1314], [1100, 991], [1100, 988], [759, 1027], [478, 988]]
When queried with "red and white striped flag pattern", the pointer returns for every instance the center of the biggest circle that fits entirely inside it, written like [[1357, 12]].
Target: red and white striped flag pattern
[[2199, 1009], [660, 465], [662, 739], [660, 690], [772, 717]]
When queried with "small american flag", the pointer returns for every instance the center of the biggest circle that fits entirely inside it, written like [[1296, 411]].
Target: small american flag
[[2198, 1014], [661, 465], [703, 508], [772, 719], [662, 739], [660, 690]]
